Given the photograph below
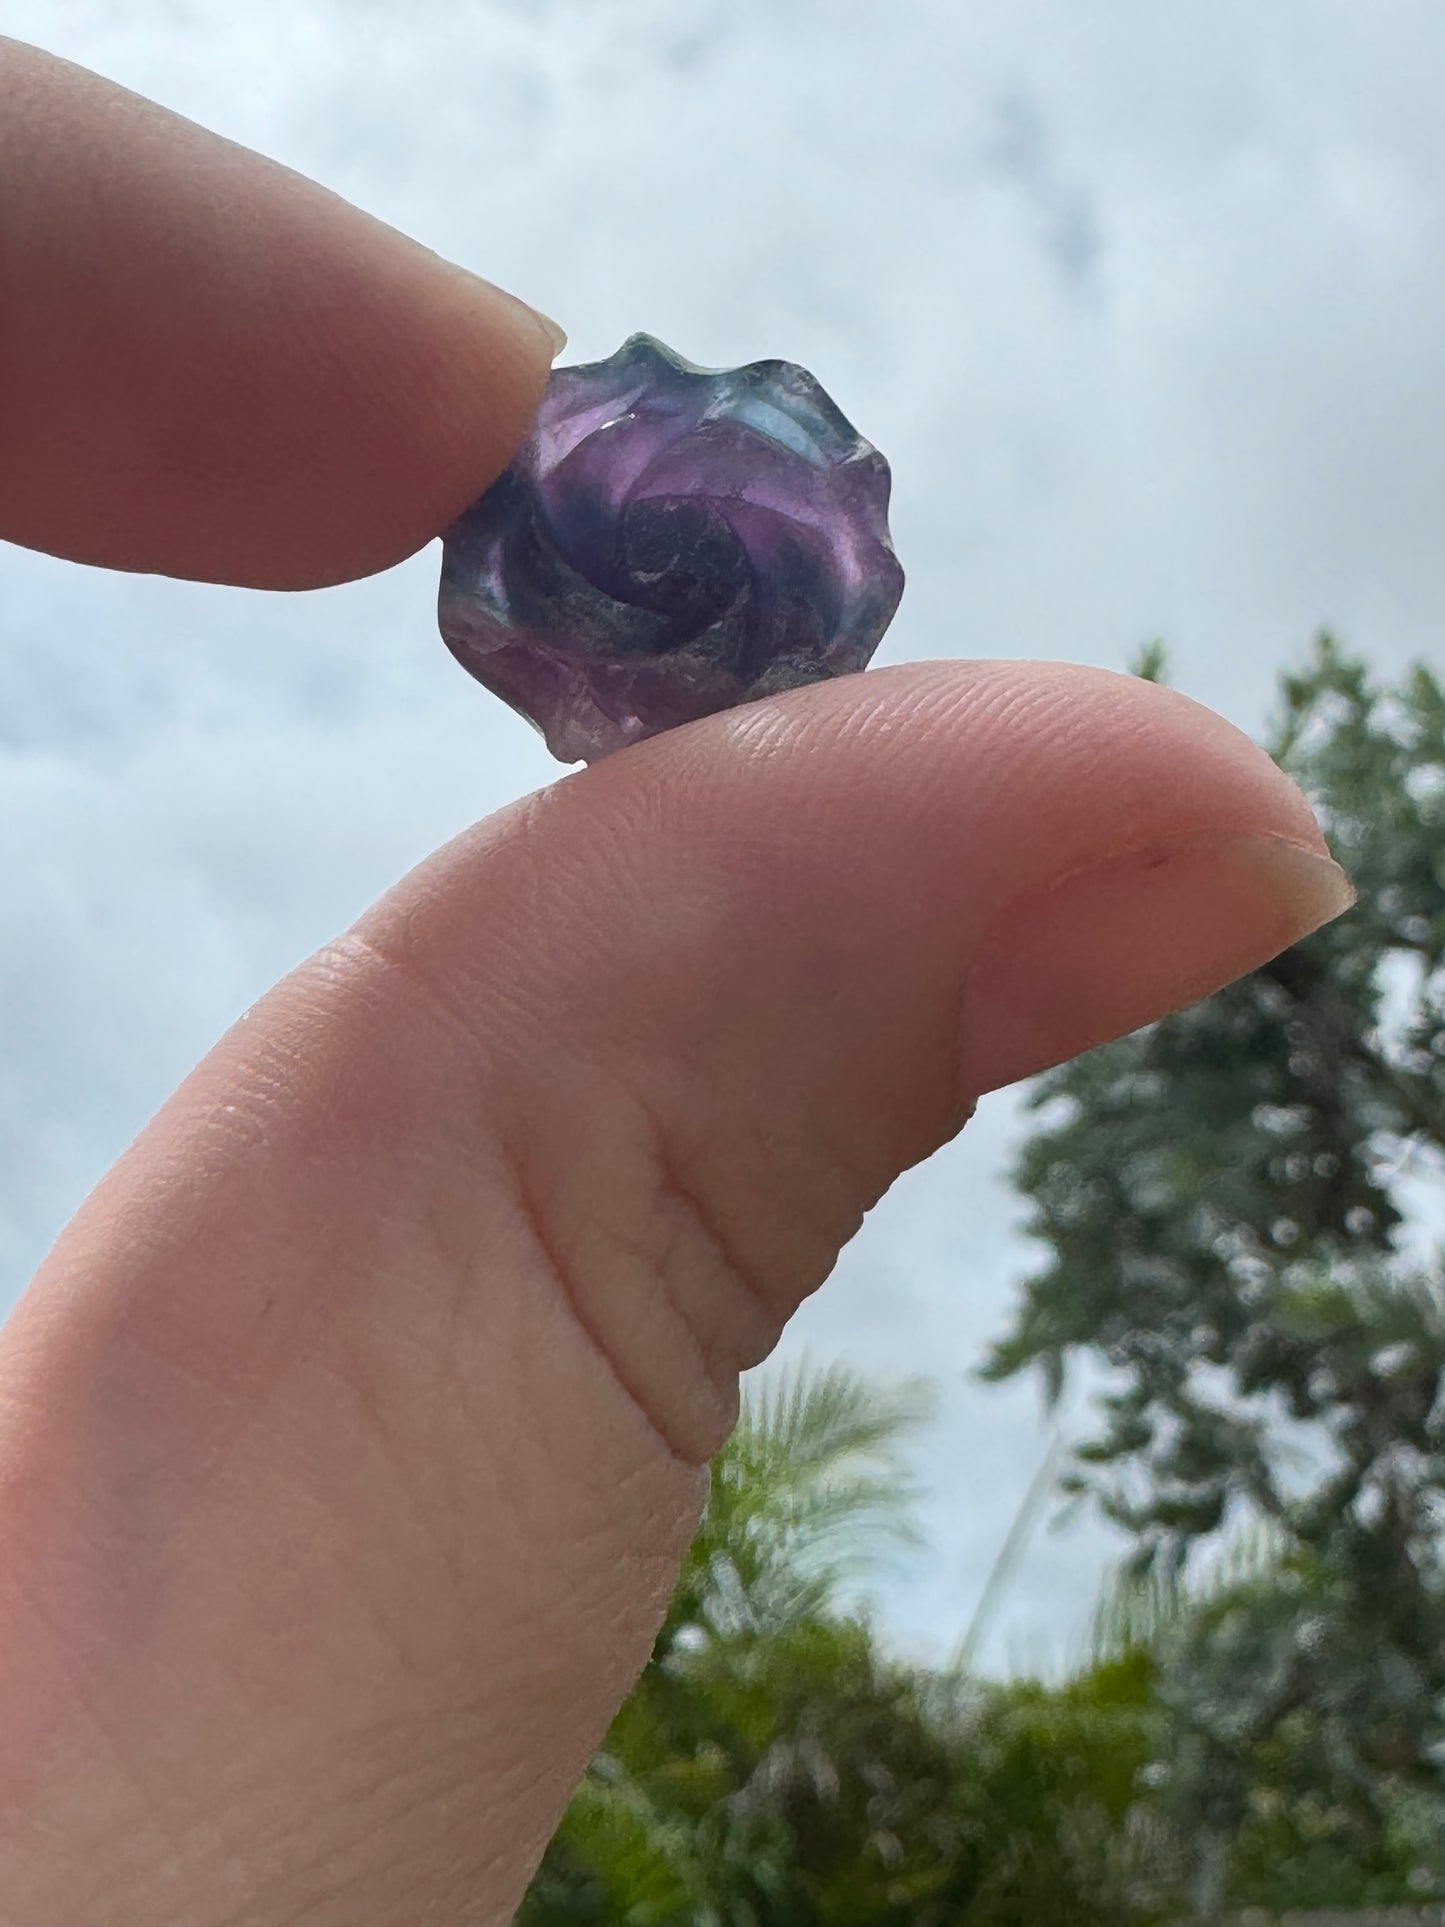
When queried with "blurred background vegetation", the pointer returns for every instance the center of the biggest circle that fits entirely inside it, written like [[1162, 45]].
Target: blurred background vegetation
[[1238, 1216]]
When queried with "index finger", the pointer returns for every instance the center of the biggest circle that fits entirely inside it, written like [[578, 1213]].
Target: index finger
[[212, 367]]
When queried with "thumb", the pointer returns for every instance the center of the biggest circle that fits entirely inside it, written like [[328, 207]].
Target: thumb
[[354, 1429]]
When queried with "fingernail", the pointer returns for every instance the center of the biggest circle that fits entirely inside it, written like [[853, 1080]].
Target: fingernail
[[1310, 888], [554, 332], [551, 331], [1106, 949]]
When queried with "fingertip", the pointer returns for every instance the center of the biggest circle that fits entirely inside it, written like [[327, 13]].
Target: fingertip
[[424, 379], [1108, 949], [212, 367]]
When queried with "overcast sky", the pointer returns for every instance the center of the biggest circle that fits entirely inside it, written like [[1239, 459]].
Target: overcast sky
[[1145, 304]]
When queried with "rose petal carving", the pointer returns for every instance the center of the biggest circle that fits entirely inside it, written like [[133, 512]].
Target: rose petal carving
[[670, 541]]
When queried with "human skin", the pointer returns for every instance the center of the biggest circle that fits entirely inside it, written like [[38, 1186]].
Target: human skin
[[352, 1432]]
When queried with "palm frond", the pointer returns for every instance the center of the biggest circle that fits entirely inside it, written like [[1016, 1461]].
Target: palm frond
[[813, 1485]]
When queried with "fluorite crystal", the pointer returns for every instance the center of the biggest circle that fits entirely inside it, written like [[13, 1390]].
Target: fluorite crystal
[[670, 541]]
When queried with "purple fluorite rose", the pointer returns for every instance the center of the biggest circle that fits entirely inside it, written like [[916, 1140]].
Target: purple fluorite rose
[[670, 541]]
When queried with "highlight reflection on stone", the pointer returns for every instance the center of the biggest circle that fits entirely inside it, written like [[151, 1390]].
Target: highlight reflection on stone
[[670, 541]]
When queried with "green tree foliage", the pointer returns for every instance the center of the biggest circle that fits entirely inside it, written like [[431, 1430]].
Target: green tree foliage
[[1229, 1206], [774, 1768]]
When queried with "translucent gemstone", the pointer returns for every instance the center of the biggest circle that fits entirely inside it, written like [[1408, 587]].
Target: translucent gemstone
[[670, 541]]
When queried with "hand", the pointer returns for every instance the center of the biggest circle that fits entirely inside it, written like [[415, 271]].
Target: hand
[[352, 1432]]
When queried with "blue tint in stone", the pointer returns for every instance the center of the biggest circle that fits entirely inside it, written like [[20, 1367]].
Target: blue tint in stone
[[670, 541]]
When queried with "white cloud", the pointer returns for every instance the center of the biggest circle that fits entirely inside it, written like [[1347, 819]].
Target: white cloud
[[1146, 305]]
